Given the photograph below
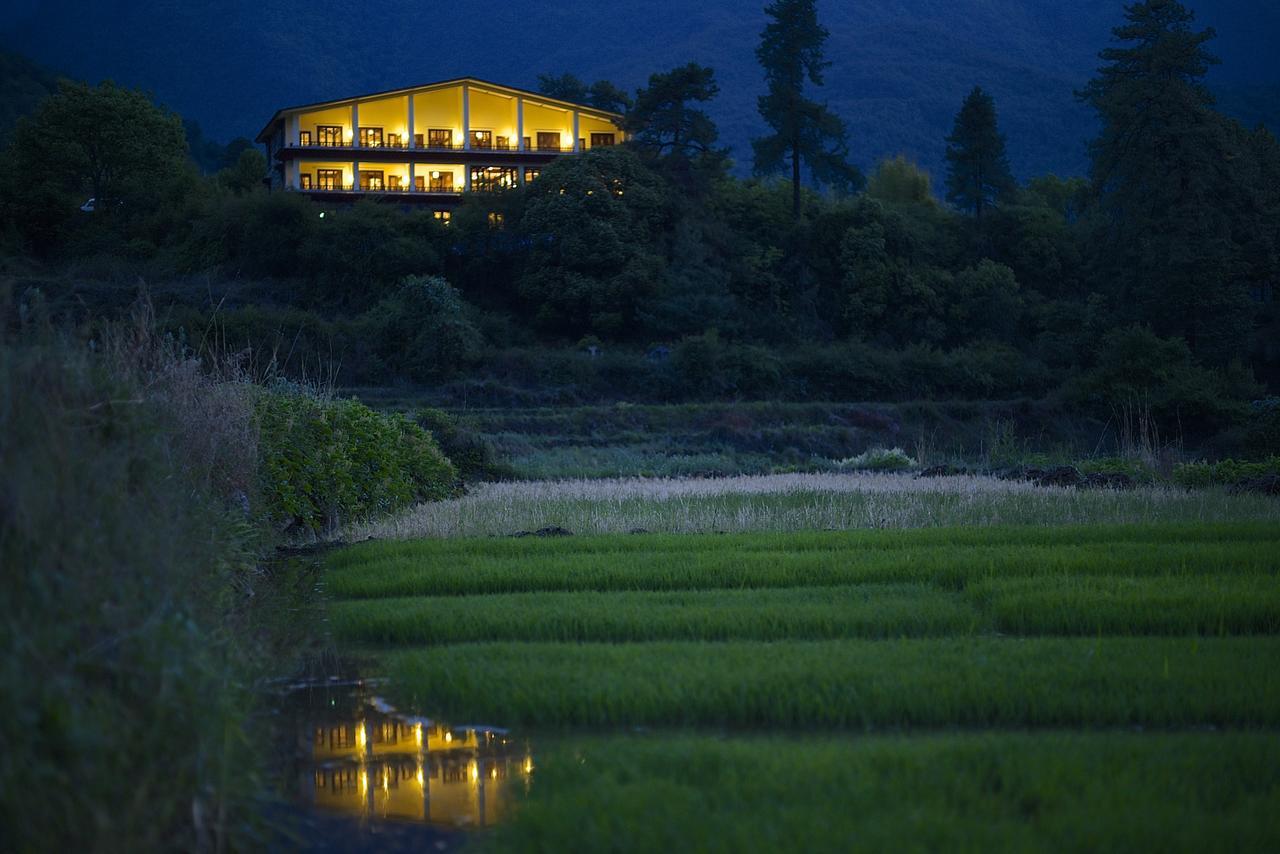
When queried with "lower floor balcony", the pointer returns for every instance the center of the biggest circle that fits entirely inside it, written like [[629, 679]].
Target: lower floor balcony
[[404, 179]]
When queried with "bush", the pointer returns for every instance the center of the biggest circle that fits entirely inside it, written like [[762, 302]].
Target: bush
[[423, 331], [879, 459], [474, 458], [328, 461], [1224, 473]]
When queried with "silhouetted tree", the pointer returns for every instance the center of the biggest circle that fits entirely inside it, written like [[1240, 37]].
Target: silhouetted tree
[[602, 94], [664, 120], [978, 174], [790, 52], [1162, 168]]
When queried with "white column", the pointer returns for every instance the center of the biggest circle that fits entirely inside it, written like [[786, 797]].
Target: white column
[[292, 126], [466, 177], [519, 124], [575, 130], [355, 175], [412, 126], [466, 118], [412, 175], [355, 124], [293, 175]]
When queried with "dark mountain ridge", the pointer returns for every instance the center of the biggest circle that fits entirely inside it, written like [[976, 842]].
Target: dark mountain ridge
[[899, 67]]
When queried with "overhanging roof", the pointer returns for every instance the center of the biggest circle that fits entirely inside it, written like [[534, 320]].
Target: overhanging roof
[[486, 84]]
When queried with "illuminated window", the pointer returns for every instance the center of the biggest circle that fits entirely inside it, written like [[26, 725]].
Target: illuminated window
[[502, 143], [372, 180], [304, 137], [548, 141], [371, 137], [582, 143], [329, 136], [329, 179], [393, 140], [531, 173], [420, 183], [393, 182], [441, 182], [525, 143], [601, 139], [497, 220], [417, 140], [486, 179], [443, 216], [439, 138], [482, 139], [306, 180]]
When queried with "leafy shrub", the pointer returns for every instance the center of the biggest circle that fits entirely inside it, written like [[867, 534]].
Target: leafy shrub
[[473, 456], [1140, 471], [324, 461], [423, 330], [879, 459], [1224, 473]]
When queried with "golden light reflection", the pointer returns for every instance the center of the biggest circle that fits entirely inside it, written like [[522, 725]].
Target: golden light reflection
[[369, 762]]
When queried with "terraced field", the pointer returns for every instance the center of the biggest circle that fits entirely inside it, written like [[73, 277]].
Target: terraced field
[[1061, 688]]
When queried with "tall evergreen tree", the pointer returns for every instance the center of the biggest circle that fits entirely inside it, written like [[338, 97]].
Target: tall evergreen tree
[[1166, 176], [665, 120], [791, 54], [978, 173]]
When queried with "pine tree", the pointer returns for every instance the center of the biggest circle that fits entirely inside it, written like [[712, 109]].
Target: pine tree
[[1166, 175], [790, 52], [978, 174]]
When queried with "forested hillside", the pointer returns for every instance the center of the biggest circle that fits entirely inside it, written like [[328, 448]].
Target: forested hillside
[[896, 84]]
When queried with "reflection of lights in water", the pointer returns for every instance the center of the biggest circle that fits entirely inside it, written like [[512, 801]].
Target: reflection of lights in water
[[386, 778], [475, 771], [364, 782], [360, 735], [421, 778], [448, 736], [528, 765], [417, 734], [493, 773]]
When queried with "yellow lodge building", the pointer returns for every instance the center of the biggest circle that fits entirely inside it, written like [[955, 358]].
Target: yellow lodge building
[[428, 143]]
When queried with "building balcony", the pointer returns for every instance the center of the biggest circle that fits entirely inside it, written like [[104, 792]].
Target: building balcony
[[377, 189], [528, 147]]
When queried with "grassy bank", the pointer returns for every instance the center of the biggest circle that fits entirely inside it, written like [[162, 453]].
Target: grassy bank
[[144, 489]]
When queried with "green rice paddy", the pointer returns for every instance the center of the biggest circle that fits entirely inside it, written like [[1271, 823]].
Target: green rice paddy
[[1062, 688]]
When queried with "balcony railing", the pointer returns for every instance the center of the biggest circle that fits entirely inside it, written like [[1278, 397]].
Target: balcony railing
[[384, 188], [404, 145]]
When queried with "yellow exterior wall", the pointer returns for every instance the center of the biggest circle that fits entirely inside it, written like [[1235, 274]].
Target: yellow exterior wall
[[310, 166], [439, 108], [545, 118], [588, 125], [332, 116], [390, 114], [495, 113], [424, 170]]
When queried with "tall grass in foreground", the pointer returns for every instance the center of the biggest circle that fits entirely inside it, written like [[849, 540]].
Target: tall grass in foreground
[[123, 677], [957, 681], [1051, 791], [797, 502]]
